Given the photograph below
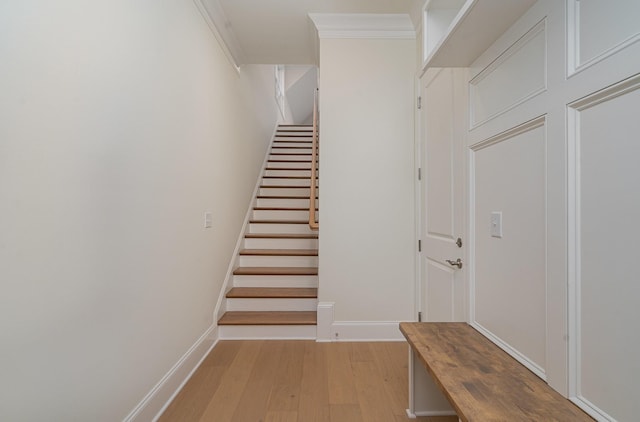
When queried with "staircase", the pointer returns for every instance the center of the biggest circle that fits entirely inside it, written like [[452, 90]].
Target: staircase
[[274, 293]]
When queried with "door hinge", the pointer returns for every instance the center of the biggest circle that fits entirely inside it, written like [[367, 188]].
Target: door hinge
[[419, 103], [419, 173], [419, 316], [419, 245]]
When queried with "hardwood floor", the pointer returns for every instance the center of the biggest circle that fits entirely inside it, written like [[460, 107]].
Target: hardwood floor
[[298, 381]]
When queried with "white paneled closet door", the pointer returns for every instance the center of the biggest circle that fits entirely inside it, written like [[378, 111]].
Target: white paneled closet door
[[442, 259], [603, 126], [553, 145]]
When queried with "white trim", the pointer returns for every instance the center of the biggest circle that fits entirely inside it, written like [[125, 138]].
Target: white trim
[[216, 19], [510, 133], [430, 414], [324, 315], [417, 191], [532, 124], [363, 25], [524, 360], [573, 42], [221, 303], [161, 395], [591, 409], [574, 234], [366, 331], [330, 330], [540, 27]]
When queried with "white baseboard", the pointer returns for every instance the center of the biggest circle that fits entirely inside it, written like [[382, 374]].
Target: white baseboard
[[515, 353], [429, 414], [366, 331], [161, 395], [330, 330], [325, 319]]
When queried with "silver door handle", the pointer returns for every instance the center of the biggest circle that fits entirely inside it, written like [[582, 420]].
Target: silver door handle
[[457, 263]]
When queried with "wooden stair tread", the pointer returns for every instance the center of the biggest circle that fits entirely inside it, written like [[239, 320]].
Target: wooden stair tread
[[289, 147], [291, 153], [276, 271], [273, 293], [268, 318], [289, 161], [280, 252], [281, 235], [289, 169], [279, 221], [283, 187], [283, 197], [287, 177], [281, 209]]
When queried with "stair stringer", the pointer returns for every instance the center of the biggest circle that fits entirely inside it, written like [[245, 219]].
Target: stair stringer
[[220, 308]]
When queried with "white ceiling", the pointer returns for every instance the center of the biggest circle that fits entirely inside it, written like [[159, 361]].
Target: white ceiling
[[280, 31]]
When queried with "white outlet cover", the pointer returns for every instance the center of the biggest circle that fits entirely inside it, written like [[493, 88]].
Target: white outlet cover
[[496, 224]]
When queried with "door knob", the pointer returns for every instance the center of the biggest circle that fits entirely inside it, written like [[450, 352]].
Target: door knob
[[457, 263]]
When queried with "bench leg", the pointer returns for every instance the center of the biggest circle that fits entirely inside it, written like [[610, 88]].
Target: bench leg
[[425, 398]]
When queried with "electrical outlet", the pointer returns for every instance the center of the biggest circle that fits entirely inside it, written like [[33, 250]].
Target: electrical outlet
[[208, 220]]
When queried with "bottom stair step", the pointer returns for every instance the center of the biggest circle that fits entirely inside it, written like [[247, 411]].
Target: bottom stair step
[[269, 318]]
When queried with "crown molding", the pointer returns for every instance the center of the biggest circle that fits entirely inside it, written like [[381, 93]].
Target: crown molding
[[363, 25], [215, 17]]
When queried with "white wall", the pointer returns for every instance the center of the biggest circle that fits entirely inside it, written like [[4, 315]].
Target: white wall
[[120, 124], [301, 82], [367, 231]]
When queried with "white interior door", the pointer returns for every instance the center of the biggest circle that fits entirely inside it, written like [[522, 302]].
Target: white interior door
[[442, 257]]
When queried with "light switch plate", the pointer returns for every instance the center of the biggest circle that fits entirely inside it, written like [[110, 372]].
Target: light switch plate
[[496, 224], [208, 220]]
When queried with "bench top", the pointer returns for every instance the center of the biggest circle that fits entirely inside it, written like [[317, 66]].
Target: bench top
[[481, 381]]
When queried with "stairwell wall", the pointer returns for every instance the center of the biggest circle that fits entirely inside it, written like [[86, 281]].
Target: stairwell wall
[[367, 235], [121, 123]]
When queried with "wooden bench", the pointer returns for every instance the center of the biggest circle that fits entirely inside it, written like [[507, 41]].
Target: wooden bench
[[479, 380]]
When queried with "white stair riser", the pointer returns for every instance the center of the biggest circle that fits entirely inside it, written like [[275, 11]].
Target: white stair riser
[[287, 173], [293, 144], [277, 261], [300, 281], [289, 165], [261, 304], [283, 202], [294, 134], [306, 129], [280, 215], [286, 182], [279, 228], [281, 243], [287, 149], [276, 191], [303, 158], [295, 127], [271, 332]]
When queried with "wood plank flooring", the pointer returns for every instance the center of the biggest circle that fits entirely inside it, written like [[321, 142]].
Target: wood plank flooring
[[298, 381]]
